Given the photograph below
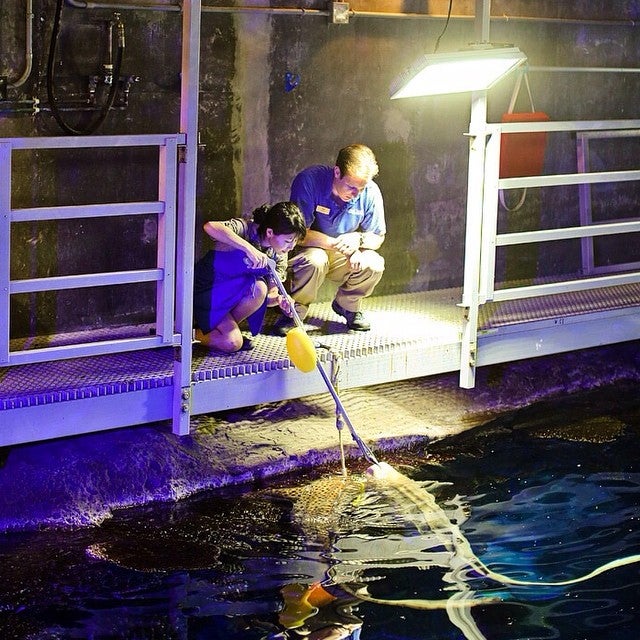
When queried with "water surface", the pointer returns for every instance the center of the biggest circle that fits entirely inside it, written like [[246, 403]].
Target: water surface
[[547, 494]]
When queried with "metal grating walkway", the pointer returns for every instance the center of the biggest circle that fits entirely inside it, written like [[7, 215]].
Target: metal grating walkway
[[560, 305], [413, 335], [398, 322]]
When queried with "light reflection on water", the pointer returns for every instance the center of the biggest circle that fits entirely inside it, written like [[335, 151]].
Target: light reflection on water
[[237, 567]]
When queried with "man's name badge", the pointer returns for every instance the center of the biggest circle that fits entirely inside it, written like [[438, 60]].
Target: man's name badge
[[321, 209]]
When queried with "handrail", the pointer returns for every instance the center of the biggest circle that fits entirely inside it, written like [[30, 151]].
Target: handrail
[[82, 349], [565, 286], [163, 274], [566, 233], [564, 179], [481, 262], [92, 142], [493, 239], [87, 211], [79, 281], [562, 125]]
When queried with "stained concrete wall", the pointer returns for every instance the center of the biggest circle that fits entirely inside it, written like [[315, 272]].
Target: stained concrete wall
[[280, 90]]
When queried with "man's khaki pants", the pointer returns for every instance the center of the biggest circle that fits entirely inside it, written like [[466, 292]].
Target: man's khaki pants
[[312, 265]]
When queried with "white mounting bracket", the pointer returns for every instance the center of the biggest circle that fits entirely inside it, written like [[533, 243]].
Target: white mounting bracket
[[339, 12]]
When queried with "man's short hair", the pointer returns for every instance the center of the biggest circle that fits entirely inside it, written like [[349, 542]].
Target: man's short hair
[[358, 161]]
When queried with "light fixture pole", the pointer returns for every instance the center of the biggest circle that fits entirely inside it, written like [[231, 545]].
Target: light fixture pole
[[474, 69], [475, 197]]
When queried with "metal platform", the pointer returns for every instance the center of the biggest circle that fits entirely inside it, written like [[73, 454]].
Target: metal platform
[[412, 335], [533, 327]]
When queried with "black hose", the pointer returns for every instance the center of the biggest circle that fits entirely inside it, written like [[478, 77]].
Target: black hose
[[53, 100]]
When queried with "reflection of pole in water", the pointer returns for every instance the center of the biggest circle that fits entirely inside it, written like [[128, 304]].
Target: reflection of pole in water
[[362, 553], [320, 507]]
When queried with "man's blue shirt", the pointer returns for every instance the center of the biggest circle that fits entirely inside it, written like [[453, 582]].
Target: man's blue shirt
[[311, 191]]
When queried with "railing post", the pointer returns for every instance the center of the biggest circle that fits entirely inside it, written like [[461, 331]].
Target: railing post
[[584, 193], [489, 216], [473, 239], [5, 248], [167, 193], [191, 14]]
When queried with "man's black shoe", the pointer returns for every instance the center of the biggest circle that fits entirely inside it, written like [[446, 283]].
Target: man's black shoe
[[355, 319], [282, 325]]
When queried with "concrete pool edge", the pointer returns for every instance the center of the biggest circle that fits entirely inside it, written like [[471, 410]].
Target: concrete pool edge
[[80, 481]]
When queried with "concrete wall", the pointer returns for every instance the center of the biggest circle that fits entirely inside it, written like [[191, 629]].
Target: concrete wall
[[282, 89]]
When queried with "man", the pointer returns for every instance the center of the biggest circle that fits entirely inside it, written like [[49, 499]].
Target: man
[[344, 215]]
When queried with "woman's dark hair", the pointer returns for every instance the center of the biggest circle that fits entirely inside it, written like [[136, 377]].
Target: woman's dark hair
[[283, 218]]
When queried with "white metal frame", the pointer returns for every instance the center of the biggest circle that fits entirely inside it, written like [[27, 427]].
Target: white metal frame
[[174, 329], [173, 274], [583, 149], [163, 273], [483, 238], [189, 105]]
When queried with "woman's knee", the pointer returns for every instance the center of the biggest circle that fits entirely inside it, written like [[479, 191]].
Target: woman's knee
[[228, 341], [259, 292], [234, 341]]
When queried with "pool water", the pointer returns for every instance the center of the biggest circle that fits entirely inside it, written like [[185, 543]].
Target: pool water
[[548, 494]]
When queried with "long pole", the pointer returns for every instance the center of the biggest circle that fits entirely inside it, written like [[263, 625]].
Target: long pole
[[366, 452]]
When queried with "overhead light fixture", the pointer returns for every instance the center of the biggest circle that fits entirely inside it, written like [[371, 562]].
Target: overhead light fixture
[[475, 69]]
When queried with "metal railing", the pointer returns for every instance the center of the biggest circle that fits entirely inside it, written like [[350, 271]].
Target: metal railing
[[583, 149], [163, 274], [481, 288]]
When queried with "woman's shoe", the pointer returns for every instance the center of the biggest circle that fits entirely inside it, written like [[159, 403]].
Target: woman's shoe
[[247, 344]]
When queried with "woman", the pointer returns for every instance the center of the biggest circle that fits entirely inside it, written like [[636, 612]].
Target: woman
[[232, 282]]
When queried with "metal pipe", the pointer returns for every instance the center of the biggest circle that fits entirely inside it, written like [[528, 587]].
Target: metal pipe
[[28, 48], [482, 22], [19, 106], [585, 69], [150, 6], [79, 107], [175, 5]]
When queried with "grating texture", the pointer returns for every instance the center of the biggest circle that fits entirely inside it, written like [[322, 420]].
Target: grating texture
[[399, 323], [500, 314], [79, 378]]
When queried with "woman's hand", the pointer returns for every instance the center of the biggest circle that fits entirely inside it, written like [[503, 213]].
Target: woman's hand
[[255, 259], [286, 304], [276, 299]]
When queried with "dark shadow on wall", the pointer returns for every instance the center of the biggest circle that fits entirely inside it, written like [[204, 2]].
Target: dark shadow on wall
[[401, 262]]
